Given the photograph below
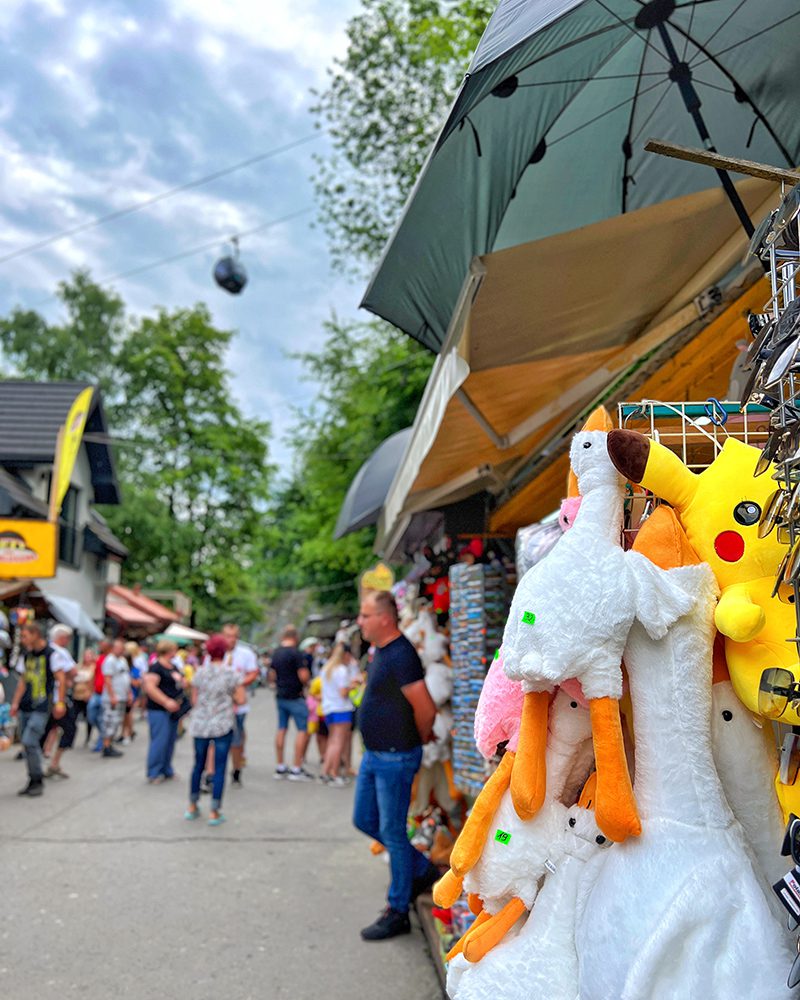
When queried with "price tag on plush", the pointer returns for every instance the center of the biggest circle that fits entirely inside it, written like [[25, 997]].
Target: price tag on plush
[[787, 890]]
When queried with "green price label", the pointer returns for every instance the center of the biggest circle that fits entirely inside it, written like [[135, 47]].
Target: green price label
[[528, 618], [502, 836], [497, 654]]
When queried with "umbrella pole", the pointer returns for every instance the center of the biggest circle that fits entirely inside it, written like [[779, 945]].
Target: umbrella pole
[[681, 74]]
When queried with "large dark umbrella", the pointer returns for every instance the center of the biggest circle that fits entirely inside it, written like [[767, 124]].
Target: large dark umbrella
[[370, 485], [548, 129]]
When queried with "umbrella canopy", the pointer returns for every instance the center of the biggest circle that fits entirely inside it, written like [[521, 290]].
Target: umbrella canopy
[[547, 132], [182, 633], [364, 499]]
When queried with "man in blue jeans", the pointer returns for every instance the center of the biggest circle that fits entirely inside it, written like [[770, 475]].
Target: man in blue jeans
[[395, 718]]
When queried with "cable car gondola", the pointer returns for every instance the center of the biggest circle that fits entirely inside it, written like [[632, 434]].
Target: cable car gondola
[[229, 272]]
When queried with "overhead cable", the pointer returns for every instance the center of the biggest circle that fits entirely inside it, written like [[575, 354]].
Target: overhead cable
[[138, 206]]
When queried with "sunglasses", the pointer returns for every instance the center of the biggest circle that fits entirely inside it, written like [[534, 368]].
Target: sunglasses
[[785, 214], [776, 689]]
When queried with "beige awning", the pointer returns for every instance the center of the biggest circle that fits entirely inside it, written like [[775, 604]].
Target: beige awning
[[542, 328]]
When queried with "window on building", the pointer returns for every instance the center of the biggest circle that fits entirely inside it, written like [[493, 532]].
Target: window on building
[[68, 547]]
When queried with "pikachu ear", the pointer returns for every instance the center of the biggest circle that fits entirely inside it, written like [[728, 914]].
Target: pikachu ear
[[659, 470], [598, 420]]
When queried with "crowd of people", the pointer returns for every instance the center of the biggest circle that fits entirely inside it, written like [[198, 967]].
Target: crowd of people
[[323, 693]]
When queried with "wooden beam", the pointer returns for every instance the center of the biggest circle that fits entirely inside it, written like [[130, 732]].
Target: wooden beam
[[720, 162]]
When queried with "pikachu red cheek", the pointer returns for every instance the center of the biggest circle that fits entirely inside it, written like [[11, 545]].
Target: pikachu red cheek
[[729, 545]]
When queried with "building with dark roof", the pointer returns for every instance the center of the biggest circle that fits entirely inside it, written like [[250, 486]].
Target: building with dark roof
[[90, 555]]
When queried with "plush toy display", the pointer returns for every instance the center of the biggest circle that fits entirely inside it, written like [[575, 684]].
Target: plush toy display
[[719, 510], [570, 618], [679, 912], [540, 960], [435, 774]]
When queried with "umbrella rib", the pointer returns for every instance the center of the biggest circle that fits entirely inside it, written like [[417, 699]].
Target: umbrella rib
[[745, 41], [688, 31], [710, 57], [608, 111], [586, 79], [647, 120], [719, 27], [626, 24]]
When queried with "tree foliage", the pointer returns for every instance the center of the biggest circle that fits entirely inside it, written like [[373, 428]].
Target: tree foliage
[[385, 102], [371, 380], [194, 473]]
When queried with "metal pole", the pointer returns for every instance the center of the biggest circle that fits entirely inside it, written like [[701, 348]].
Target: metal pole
[[681, 74]]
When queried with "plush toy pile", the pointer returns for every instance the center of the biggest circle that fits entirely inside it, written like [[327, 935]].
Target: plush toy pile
[[625, 846]]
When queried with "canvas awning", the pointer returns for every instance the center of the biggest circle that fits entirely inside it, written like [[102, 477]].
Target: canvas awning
[[71, 613], [183, 632], [127, 614], [543, 328]]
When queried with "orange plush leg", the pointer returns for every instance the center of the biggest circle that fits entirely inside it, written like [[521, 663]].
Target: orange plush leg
[[492, 932], [615, 806], [529, 777], [459, 946], [469, 846], [475, 903], [447, 889]]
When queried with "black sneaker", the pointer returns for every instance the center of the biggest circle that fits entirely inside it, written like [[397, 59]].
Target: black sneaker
[[32, 789], [424, 883], [112, 752], [388, 925], [236, 780]]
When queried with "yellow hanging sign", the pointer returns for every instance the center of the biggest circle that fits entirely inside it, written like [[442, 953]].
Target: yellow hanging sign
[[67, 447], [28, 549]]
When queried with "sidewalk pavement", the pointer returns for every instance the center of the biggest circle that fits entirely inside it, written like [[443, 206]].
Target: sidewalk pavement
[[109, 894]]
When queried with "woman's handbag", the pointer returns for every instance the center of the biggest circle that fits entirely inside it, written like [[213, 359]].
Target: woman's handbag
[[184, 707]]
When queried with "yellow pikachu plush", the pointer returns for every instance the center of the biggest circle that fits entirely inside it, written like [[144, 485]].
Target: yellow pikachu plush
[[719, 510]]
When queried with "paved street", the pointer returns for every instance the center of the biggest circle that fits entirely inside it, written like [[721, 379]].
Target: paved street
[[107, 892]]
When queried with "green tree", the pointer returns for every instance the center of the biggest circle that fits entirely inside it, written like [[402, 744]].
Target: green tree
[[193, 471], [370, 382], [385, 102]]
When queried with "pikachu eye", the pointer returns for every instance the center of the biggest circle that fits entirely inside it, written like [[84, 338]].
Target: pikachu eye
[[747, 512]]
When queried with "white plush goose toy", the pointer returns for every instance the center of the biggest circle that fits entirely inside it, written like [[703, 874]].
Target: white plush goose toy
[[570, 618]]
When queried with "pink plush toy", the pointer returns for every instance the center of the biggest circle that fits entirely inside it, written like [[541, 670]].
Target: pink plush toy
[[499, 711]]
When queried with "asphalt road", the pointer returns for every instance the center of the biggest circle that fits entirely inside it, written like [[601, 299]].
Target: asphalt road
[[107, 893]]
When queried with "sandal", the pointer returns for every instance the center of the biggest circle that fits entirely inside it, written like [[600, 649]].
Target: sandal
[[192, 814], [216, 820]]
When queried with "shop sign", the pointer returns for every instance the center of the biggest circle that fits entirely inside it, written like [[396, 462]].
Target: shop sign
[[28, 548]]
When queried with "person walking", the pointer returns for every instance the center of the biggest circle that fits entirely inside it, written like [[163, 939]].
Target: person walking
[[337, 709], [163, 687], [63, 729], [244, 662], [290, 674], [116, 695], [396, 717], [94, 711], [83, 690], [216, 692], [41, 678]]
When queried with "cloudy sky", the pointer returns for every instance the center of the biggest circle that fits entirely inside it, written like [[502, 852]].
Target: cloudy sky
[[106, 103]]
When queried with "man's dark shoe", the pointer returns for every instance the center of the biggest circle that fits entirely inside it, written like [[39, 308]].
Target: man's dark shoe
[[388, 925], [32, 789], [424, 883], [112, 752]]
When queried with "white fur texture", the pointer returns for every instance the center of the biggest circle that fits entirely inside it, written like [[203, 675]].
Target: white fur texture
[[679, 911], [539, 962], [588, 592], [514, 870]]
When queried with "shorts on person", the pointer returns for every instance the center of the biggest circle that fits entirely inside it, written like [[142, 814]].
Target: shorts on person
[[337, 718], [111, 719], [295, 709], [238, 730]]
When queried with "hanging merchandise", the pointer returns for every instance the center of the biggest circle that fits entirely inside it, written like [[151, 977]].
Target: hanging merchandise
[[559, 916], [229, 271], [478, 607]]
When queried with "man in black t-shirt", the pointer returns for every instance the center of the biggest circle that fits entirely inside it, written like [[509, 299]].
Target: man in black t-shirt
[[41, 677], [290, 673], [396, 718]]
